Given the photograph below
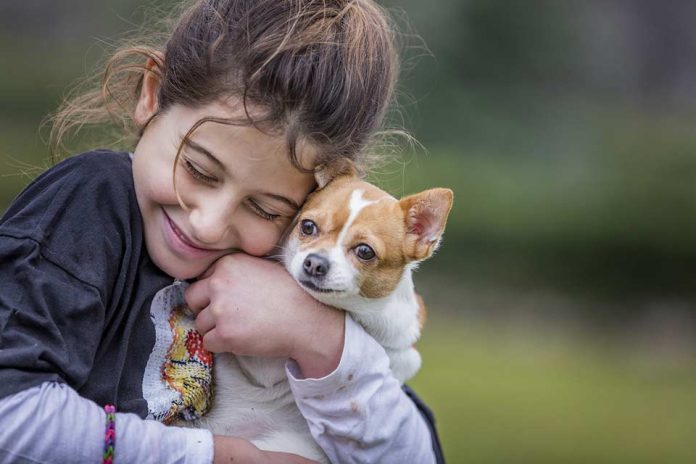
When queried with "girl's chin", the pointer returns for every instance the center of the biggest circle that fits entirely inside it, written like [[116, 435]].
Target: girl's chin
[[186, 275], [181, 270]]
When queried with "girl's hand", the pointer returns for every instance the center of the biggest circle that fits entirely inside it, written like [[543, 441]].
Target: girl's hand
[[238, 450], [252, 307]]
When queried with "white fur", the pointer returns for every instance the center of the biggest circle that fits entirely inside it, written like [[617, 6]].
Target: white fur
[[356, 205], [391, 320]]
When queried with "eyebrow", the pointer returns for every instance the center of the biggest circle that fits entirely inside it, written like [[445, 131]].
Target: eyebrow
[[205, 152], [208, 154], [283, 199]]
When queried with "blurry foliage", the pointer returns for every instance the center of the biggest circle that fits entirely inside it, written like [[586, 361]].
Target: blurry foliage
[[558, 181], [569, 168]]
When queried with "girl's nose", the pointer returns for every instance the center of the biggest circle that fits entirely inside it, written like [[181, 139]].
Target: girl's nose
[[211, 222]]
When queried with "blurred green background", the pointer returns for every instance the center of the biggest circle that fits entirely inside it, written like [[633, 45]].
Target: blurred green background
[[562, 315]]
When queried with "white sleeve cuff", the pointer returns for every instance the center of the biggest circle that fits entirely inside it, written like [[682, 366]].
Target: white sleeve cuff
[[358, 413], [358, 346]]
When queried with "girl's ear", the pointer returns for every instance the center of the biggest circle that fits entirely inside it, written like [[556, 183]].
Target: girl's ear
[[147, 104], [425, 215], [338, 168]]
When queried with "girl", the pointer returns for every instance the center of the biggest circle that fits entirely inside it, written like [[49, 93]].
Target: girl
[[244, 100]]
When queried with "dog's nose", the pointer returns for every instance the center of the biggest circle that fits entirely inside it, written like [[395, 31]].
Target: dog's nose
[[315, 265]]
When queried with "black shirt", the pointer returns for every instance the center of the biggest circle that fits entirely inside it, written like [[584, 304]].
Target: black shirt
[[76, 283]]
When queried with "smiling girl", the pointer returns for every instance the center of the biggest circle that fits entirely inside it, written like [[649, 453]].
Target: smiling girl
[[234, 112]]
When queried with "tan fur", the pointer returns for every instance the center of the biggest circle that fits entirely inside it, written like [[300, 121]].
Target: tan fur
[[341, 167], [387, 226], [380, 225], [426, 215]]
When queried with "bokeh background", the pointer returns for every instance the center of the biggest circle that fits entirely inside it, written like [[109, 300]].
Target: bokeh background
[[562, 303]]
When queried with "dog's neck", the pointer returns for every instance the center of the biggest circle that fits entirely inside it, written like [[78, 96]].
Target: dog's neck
[[391, 320]]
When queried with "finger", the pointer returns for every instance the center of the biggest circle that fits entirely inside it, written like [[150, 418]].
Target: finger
[[212, 342], [197, 295], [205, 321]]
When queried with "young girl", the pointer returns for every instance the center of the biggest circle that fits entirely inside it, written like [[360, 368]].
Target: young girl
[[234, 113]]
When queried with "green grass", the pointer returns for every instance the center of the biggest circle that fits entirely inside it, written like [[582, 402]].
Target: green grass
[[539, 397]]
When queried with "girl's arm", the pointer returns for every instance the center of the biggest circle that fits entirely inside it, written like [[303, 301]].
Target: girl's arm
[[239, 315], [53, 423], [359, 413]]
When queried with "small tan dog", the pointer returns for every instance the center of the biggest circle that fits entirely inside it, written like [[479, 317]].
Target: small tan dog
[[353, 247]]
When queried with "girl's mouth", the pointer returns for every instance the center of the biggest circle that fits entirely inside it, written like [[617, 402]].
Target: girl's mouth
[[181, 243]]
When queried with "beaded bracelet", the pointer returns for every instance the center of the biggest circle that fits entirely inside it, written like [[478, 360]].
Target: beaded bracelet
[[110, 434]]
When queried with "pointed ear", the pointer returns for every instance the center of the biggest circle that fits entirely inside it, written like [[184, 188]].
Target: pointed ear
[[425, 215], [147, 104], [338, 168]]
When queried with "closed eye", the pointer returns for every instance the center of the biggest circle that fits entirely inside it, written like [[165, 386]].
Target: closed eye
[[196, 173], [262, 212]]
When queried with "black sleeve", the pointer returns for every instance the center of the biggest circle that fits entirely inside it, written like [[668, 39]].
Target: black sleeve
[[430, 420], [62, 242], [50, 322]]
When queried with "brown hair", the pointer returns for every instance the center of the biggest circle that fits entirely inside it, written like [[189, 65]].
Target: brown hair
[[323, 70]]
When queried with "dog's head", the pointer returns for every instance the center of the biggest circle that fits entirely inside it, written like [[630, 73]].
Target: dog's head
[[352, 239]]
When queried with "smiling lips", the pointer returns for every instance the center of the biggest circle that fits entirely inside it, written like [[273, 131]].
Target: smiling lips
[[183, 244]]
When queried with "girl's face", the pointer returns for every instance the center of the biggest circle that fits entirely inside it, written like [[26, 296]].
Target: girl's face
[[238, 184]]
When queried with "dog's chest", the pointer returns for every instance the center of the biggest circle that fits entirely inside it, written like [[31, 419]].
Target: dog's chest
[[253, 400], [252, 397]]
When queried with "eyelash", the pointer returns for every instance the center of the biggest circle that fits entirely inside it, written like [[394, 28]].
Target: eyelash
[[265, 215], [210, 180], [196, 173]]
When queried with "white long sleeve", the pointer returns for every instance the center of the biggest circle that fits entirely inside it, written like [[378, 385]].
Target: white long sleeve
[[51, 423], [359, 413]]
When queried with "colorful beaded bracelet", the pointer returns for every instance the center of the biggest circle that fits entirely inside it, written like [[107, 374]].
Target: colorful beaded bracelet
[[109, 434]]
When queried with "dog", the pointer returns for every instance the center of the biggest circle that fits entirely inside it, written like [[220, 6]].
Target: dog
[[354, 247]]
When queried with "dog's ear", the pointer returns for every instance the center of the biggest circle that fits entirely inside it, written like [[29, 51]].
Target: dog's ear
[[425, 215], [338, 168]]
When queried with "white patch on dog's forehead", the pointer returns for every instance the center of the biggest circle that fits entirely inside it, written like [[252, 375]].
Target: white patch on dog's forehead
[[341, 269], [356, 204]]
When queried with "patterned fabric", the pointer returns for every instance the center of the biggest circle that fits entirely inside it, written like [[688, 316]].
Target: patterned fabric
[[178, 377]]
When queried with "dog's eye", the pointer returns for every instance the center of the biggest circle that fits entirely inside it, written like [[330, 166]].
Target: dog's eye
[[308, 227], [364, 252]]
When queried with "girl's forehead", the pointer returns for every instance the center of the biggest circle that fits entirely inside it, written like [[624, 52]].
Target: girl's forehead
[[252, 159], [226, 125], [233, 145]]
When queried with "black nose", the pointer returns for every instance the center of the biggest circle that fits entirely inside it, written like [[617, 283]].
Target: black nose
[[315, 265]]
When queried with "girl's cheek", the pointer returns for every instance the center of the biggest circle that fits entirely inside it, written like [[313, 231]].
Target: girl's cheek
[[261, 240]]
